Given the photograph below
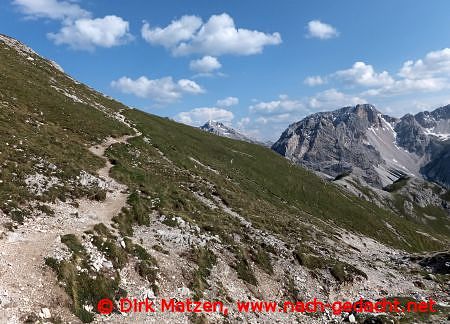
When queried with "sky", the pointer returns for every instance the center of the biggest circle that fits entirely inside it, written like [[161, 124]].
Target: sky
[[257, 66]]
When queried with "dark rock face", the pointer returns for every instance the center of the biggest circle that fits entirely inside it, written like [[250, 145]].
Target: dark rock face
[[411, 136], [380, 146], [439, 263], [438, 169]]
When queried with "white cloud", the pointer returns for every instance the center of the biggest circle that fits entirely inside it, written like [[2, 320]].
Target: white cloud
[[206, 64], [228, 102], [52, 9], [217, 36], [407, 86], [314, 80], [86, 34], [243, 122], [364, 75], [318, 29], [284, 118], [78, 30], [199, 116], [190, 86], [430, 74], [177, 31], [434, 64], [163, 90], [332, 99], [413, 104], [283, 104]]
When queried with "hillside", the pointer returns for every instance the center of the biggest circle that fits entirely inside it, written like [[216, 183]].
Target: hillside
[[100, 201]]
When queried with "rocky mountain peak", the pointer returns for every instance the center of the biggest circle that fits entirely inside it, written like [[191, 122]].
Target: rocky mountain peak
[[220, 129], [214, 124], [362, 138]]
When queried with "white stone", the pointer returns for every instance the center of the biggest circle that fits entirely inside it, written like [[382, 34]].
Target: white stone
[[45, 313]]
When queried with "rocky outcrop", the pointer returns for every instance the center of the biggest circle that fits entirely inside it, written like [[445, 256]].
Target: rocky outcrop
[[438, 168]]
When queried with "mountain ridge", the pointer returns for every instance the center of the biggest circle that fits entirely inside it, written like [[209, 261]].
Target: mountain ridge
[[362, 137]]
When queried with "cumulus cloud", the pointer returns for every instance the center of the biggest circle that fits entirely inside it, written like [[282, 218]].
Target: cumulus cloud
[[435, 63], [406, 86], [228, 102], [199, 116], [206, 64], [163, 90], [190, 86], [177, 31], [51, 9], [318, 29], [332, 99], [78, 29], [314, 80], [364, 74], [283, 104], [86, 34], [215, 37], [243, 122], [284, 118], [430, 74]]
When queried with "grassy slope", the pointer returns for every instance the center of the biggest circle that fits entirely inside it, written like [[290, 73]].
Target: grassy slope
[[262, 186], [38, 121]]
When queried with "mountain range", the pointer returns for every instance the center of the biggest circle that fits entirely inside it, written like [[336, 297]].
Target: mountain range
[[380, 148], [99, 200]]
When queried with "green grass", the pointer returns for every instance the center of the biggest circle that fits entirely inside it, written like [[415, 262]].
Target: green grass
[[73, 243], [112, 251], [341, 271], [262, 259], [37, 121], [84, 288], [138, 213], [397, 185], [205, 260], [149, 271], [243, 268], [146, 266], [344, 272]]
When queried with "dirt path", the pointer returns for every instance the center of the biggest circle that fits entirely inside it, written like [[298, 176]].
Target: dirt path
[[26, 285]]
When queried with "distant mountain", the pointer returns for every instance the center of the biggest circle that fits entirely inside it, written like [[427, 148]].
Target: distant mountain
[[221, 129], [379, 148]]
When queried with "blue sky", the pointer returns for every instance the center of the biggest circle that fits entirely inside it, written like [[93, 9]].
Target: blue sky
[[256, 65]]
